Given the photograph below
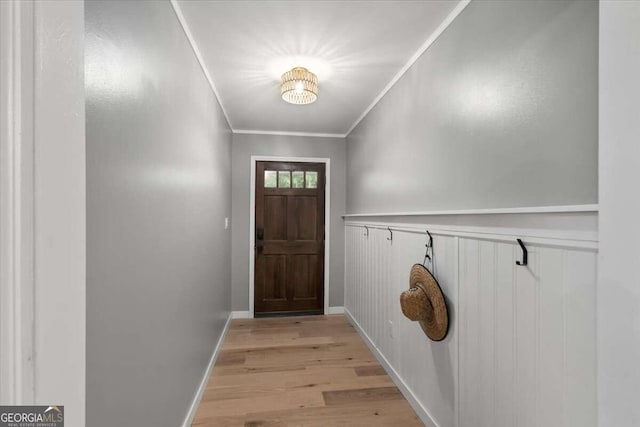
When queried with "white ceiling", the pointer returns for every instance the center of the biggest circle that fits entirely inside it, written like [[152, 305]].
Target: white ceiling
[[355, 47]]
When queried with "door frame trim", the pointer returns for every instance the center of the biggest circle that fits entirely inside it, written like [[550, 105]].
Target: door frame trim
[[252, 222], [17, 202]]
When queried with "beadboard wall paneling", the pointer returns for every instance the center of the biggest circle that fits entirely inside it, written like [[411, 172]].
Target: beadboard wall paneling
[[521, 348], [527, 336], [377, 271]]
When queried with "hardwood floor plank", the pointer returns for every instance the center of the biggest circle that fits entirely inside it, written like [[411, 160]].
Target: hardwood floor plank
[[274, 401], [354, 396], [227, 358], [277, 379], [301, 371], [318, 382], [365, 371], [392, 413], [239, 370]]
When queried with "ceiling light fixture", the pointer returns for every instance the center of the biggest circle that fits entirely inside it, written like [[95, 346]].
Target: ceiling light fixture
[[299, 86]]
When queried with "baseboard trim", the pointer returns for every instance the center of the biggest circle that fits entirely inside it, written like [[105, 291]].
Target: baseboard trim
[[421, 411], [241, 314], [207, 373], [336, 310]]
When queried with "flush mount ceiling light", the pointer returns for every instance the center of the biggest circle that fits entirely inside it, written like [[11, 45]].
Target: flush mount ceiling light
[[299, 86]]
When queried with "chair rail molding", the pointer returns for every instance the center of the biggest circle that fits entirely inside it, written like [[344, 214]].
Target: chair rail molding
[[494, 211]]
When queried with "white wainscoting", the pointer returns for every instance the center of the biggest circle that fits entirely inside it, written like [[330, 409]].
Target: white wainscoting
[[521, 348]]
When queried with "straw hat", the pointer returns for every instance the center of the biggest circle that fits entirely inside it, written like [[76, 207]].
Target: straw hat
[[425, 303]]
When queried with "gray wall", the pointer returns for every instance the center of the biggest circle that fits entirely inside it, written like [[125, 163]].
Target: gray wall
[[245, 146], [501, 111], [158, 190]]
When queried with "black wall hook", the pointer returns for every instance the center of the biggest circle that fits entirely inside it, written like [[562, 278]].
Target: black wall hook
[[390, 238], [367, 232], [428, 246], [525, 254]]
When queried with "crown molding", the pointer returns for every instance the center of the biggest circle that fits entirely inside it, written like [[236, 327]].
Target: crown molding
[[269, 132], [196, 51], [432, 38]]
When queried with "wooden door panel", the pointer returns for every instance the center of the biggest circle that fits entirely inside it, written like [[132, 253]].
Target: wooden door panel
[[275, 218], [304, 275], [274, 279], [306, 220], [289, 252], [291, 248], [290, 191]]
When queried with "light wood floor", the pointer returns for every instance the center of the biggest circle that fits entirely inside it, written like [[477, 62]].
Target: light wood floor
[[300, 371]]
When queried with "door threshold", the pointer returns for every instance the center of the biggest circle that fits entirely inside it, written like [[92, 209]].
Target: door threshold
[[289, 313]]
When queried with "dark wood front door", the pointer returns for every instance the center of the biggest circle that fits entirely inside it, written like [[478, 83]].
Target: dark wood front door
[[289, 238]]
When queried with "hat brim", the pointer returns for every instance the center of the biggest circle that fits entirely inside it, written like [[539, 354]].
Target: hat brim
[[436, 322]]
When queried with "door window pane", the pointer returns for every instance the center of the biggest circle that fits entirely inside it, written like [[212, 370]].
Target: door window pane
[[312, 179], [284, 179], [297, 179], [270, 179]]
